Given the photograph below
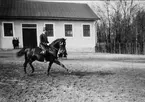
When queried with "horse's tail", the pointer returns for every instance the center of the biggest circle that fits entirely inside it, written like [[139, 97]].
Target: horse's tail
[[21, 52]]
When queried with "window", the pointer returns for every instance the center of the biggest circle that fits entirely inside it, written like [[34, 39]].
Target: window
[[86, 30], [8, 29], [68, 30], [49, 30]]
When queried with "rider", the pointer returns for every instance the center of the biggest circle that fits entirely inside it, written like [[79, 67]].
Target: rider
[[43, 42]]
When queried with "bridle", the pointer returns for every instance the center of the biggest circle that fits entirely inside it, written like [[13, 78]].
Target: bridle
[[57, 49]]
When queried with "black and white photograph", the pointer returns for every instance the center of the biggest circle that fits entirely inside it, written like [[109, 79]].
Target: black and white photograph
[[72, 51]]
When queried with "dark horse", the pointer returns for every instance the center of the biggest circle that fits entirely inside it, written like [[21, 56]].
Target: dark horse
[[33, 54]]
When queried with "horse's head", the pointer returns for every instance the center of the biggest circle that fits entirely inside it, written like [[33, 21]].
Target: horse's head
[[59, 45], [62, 46]]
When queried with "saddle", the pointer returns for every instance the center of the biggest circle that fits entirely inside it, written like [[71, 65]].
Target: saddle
[[46, 48]]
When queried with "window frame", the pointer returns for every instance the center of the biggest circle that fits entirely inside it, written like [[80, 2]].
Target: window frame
[[4, 31], [29, 27], [53, 29], [72, 30], [83, 30]]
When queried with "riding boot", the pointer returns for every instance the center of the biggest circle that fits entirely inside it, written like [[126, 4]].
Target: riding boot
[[43, 53]]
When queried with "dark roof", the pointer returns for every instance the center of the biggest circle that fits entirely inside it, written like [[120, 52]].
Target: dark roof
[[22, 9]]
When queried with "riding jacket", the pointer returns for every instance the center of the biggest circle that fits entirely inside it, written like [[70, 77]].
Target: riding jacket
[[43, 39]]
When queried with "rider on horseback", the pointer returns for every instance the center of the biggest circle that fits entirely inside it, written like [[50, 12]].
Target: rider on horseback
[[43, 42]]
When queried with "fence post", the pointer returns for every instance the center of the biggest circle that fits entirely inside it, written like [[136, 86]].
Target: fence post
[[126, 48], [136, 49], [143, 47], [119, 49], [114, 47]]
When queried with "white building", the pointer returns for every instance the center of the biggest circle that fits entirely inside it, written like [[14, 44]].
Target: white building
[[26, 19]]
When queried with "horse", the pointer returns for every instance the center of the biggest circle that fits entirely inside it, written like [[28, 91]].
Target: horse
[[34, 54]]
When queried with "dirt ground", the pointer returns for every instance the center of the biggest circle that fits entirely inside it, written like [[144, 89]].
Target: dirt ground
[[95, 77]]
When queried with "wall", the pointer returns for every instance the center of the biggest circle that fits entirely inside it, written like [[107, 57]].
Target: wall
[[75, 43]]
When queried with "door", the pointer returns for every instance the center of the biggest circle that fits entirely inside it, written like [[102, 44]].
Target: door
[[29, 35]]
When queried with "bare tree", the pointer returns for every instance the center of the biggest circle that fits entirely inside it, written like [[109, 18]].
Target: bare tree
[[117, 17]]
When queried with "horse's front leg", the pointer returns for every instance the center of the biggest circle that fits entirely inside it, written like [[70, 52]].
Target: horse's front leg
[[30, 63], [59, 63], [49, 67], [25, 65]]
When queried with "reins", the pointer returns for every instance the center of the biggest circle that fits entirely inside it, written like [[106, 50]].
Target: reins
[[54, 48]]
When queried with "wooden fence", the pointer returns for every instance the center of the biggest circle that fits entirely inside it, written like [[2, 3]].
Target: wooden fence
[[120, 48]]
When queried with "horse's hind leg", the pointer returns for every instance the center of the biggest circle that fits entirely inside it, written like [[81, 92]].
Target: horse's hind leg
[[50, 64]]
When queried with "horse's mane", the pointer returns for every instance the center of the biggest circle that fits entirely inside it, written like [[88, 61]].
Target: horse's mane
[[55, 41]]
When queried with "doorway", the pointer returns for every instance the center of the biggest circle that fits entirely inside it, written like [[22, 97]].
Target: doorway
[[29, 35]]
